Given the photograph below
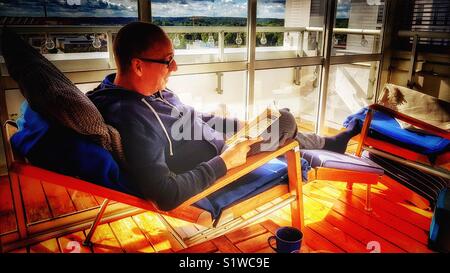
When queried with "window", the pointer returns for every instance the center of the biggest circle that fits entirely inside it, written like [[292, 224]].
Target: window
[[72, 13], [219, 93], [350, 87], [68, 12], [204, 31], [295, 88], [305, 20], [357, 27]]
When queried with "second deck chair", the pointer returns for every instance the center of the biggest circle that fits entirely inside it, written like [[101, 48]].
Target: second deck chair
[[436, 163], [230, 218]]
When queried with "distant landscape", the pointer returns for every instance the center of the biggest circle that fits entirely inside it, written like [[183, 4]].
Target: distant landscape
[[183, 40]]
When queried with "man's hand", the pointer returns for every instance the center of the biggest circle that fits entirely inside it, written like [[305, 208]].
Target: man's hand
[[236, 155]]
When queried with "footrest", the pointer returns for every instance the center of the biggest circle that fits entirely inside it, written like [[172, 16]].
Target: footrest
[[333, 160]]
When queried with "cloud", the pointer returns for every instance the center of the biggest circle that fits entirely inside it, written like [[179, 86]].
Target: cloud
[[218, 8], [343, 9], [128, 8], [60, 8]]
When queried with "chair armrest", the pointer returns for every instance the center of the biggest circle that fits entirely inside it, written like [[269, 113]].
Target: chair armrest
[[418, 123], [253, 162]]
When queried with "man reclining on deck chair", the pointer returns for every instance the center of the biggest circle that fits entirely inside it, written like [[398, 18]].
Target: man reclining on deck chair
[[163, 166]]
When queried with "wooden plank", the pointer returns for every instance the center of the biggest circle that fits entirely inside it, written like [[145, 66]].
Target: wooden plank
[[104, 240], [183, 228], [205, 247], [35, 203], [156, 232], [99, 199], [224, 245], [82, 200], [382, 202], [253, 244], [378, 227], [176, 226], [58, 199], [406, 193], [361, 234], [48, 246], [319, 243], [338, 237], [20, 250], [356, 231], [266, 250], [245, 233], [395, 195], [73, 243], [406, 228], [7, 214], [130, 236]]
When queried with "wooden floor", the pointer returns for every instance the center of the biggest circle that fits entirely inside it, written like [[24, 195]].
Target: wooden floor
[[335, 222]]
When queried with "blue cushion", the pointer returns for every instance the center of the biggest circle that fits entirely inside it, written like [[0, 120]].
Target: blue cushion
[[328, 159], [387, 128], [64, 151], [265, 177]]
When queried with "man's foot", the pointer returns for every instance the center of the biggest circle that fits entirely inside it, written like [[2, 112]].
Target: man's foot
[[338, 143]]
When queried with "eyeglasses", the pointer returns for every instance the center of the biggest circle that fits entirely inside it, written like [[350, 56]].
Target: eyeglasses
[[168, 63]]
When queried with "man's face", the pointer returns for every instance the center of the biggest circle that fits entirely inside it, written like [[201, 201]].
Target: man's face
[[156, 75]]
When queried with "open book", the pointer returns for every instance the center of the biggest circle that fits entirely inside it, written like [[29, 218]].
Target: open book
[[255, 127]]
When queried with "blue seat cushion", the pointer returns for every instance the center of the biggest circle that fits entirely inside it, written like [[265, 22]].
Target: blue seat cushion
[[386, 128], [265, 177], [328, 159]]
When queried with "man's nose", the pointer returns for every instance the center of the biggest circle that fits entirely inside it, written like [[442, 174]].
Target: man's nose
[[173, 66]]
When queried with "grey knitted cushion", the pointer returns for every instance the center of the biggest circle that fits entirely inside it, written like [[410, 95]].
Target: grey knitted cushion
[[50, 93]]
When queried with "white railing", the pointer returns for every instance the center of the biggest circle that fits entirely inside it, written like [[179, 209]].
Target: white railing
[[221, 48]]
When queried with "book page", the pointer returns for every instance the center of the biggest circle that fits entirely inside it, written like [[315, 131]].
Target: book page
[[255, 127]]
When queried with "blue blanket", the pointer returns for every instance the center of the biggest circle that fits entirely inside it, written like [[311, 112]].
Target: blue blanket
[[385, 127]]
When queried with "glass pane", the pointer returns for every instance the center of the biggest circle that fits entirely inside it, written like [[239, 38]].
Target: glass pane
[[204, 31], [293, 88], [304, 18], [66, 47], [357, 28], [68, 12], [350, 88], [221, 94]]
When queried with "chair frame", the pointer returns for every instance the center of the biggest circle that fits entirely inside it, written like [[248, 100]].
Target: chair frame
[[400, 154], [351, 177], [230, 218]]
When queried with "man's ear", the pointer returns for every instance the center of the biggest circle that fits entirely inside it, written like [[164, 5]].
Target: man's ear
[[136, 67]]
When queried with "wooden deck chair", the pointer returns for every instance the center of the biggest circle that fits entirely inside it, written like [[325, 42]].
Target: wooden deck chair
[[290, 194], [408, 157]]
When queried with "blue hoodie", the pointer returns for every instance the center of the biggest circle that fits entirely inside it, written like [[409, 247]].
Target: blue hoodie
[[163, 166]]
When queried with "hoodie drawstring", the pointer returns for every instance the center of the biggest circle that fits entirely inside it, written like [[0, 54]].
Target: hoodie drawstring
[[160, 123]]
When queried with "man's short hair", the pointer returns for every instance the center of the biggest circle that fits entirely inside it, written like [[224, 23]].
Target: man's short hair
[[133, 39]]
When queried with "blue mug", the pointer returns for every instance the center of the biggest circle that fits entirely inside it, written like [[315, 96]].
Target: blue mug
[[288, 240]]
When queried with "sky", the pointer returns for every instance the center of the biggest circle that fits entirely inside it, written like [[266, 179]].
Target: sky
[[160, 8]]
